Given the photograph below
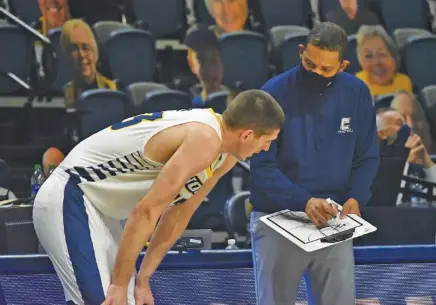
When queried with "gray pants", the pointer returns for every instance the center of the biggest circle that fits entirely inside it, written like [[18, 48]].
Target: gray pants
[[279, 266]]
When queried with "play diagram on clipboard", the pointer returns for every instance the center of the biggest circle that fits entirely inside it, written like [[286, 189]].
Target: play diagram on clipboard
[[297, 227]]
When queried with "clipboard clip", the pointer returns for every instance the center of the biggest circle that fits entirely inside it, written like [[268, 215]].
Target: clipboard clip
[[341, 236]]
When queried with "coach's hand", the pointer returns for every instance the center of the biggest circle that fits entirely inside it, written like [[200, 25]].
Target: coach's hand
[[350, 207], [143, 295], [116, 295], [319, 211]]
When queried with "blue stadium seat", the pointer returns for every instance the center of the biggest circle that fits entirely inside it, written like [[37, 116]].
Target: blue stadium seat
[[100, 108], [235, 214], [428, 95], [27, 11], [164, 18], [63, 68], [428, 100], [245, 59], [102, 31], [402, 35], [202, 14], [420, 61], [325, 6], [137, 91], [284, 12], [383, 101], [165, 99], [15, 57], [408, 14], [131, 55], [217, 101], [277, 35], [209, 214], [351, 55], [288, 52]]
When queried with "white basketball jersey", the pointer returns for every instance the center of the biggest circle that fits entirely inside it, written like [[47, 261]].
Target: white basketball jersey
[[110, 166]]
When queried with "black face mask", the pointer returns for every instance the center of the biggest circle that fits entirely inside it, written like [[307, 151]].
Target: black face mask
[[313, 82]]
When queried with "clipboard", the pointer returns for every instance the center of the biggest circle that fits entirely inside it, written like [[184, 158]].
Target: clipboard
[[297, 228]]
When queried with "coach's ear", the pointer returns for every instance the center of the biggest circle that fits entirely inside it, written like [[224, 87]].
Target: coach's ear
[[301, 49], [344, 65]]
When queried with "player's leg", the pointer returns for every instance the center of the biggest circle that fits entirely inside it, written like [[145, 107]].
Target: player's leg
[[278, 265], [76, 238], [332, 274]]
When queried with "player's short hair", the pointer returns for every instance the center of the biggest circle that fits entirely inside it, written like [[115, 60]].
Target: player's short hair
[[256, 110], [329, 36], [68, 27]]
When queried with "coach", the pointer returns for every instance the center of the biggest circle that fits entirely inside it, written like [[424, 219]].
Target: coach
[[327, 149]]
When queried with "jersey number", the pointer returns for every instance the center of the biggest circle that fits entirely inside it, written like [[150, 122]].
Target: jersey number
[[192, 186], [137, 119]]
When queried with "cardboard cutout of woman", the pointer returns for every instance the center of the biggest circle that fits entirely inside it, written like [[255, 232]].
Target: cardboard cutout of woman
[[378, 57], [80, 45]]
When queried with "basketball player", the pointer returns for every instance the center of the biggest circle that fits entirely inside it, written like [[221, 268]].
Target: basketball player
[[151, 166]]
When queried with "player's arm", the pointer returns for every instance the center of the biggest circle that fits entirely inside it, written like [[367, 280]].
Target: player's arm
[[174, 221], [186, 162]]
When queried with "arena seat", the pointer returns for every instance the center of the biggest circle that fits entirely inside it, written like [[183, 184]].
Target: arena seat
[[217, 101], [19, 47], [284, 12], [410, 14], [419, 60], [403, 34], [249, 68], [137, 91], [383, 101], [28, 11], [209, 214], [277, 37], [102, 31], [351, 55], [99, 108], [163, 18], [235, 217], [428, 100], [165, 99], [131, 55], [289, 55], [64, 67]]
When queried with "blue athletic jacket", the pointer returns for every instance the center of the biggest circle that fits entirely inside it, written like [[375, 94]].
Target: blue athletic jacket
[[328, 147]]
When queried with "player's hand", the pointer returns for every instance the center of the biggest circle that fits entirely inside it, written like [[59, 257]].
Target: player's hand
[[143, 295], [319, 211], [350, 207], [116, 295]]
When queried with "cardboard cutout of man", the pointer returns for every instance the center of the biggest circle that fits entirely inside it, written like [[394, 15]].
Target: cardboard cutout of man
[[229, 15], [204, 59], [54, 13]]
